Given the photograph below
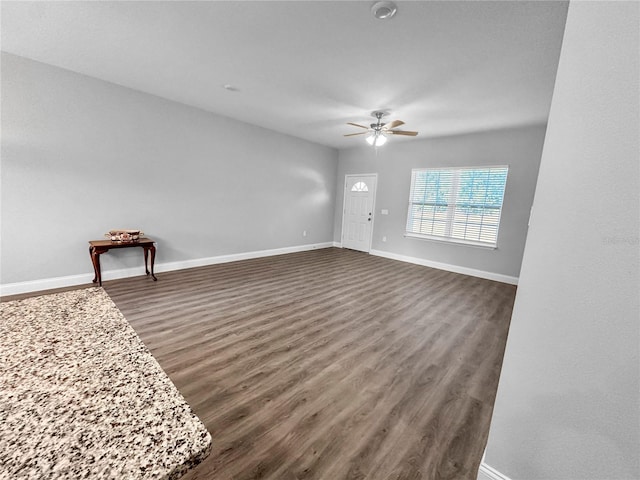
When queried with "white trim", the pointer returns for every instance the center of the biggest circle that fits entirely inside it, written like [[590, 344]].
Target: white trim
[[498, 277], [45, 284], [86, 278], [453, 241], [234, 257], [485, 472], [337, 244]]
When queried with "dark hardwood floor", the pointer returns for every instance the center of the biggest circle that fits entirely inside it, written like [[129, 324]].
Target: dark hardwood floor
[[329, 364]]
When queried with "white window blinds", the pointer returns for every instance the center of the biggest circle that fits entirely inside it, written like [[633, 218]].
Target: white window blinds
[[457, 204]]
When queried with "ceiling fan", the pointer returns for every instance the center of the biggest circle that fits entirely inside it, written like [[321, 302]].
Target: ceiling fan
[[377, 132]]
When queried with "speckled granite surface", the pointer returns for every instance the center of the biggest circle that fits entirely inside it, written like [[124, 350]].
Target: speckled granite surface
[[82, 397]]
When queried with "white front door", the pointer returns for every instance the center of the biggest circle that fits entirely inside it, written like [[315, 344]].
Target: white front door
[[359, 201]]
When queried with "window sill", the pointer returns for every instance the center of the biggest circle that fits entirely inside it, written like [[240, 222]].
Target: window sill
[[453, 241]]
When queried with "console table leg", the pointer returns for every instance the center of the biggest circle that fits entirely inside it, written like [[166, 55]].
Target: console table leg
[[146, 254], [95, 259], [153, 259]]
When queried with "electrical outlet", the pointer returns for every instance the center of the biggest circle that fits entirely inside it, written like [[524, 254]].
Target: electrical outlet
[[384, 239], [304, 233]]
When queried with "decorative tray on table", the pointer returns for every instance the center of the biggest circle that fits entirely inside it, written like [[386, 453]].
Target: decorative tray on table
[[124, 236]]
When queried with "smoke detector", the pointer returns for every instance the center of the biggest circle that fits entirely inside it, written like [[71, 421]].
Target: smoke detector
[[384, 10]]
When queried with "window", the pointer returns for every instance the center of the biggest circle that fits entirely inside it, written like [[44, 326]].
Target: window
[[457, 204], [360, 187]]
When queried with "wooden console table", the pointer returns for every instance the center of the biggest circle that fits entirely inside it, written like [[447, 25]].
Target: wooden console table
[[98, 247]]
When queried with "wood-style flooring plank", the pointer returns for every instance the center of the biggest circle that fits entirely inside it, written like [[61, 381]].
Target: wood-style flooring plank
[[328, 364]]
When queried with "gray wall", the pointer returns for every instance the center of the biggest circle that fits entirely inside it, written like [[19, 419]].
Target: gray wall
[[520, 148], [568, 400], [81, 156]]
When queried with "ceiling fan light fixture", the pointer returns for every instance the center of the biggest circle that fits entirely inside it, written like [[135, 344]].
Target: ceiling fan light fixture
[[381, 139], [384, 10], [376, 139], [370, 138], [378, 133]]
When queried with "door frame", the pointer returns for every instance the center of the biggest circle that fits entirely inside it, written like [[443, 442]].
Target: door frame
[[373, 206]]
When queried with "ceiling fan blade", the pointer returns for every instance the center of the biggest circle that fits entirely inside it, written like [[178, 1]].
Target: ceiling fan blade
[[402, 132], [352, 134], [394, 124], [356, 125]]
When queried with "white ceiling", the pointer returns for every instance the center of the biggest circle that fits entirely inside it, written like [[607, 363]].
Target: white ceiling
[[306, 67]]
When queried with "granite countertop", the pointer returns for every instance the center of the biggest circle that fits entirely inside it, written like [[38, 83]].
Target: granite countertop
[[82, 397]]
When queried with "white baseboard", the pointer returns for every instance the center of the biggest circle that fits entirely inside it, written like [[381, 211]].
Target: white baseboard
[[86, 278], [234, 257], [498, 277], [485, 472], [46, 284]]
